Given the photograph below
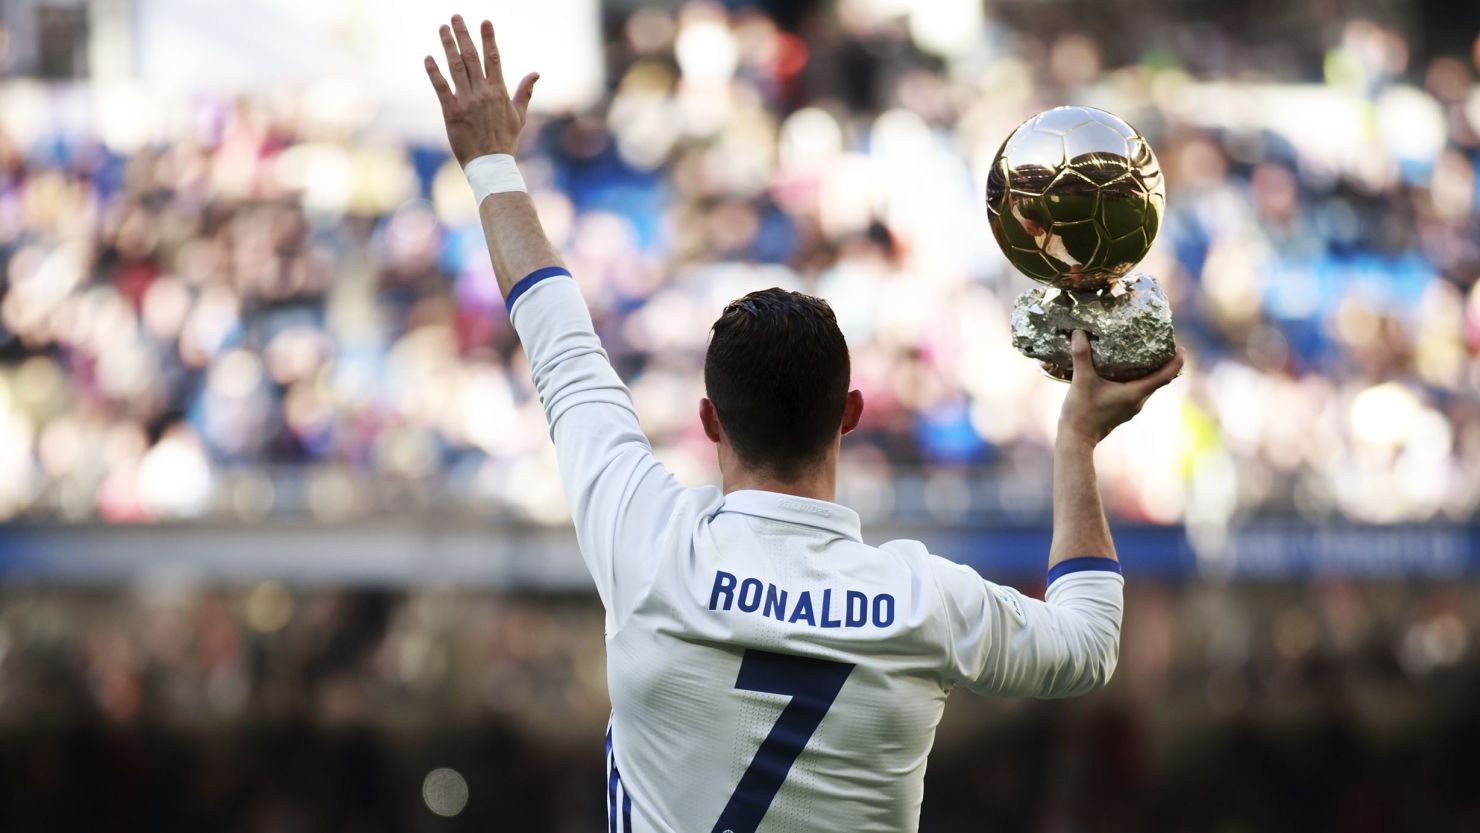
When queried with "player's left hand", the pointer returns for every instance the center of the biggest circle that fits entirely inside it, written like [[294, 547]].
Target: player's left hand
[[1095, 405], [480, 116]]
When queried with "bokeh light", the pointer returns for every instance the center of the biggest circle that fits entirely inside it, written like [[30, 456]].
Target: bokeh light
[[445, 791]]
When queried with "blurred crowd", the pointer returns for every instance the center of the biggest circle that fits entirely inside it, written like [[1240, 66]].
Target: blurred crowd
[[1276, 708], [277, 310]]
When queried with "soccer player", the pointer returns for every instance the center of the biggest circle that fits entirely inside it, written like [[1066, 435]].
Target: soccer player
[[768, 669]]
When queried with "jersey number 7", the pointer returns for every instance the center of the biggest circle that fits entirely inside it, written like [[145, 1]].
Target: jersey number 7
[[813, 685]]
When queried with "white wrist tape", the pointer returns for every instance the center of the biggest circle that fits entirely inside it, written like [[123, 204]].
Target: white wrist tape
[[494, 173]]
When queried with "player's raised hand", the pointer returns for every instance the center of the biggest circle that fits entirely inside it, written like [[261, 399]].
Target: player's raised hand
[[1095, 405], [480, 115]]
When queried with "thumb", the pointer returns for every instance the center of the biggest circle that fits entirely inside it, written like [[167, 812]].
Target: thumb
[[524, 92], [1084, 362]]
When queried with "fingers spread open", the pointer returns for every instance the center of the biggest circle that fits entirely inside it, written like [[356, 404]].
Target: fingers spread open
[[524, 93], [469, 52], [444, 92], [455, 67], [492, 62]]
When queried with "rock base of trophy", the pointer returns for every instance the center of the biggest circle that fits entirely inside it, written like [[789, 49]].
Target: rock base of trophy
[[1129, 324]]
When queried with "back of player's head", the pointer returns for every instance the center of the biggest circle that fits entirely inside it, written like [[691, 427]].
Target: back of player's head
[[777, 372]]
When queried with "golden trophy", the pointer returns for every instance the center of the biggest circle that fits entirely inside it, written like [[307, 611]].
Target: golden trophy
[[1075, 197]]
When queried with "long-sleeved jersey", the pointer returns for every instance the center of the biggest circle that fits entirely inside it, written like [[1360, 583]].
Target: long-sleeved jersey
[[768, 670]]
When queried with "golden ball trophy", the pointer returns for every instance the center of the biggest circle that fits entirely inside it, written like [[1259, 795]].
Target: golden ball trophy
[[1075, 197]]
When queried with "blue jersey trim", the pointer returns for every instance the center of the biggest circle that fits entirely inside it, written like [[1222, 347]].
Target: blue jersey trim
[[618, 800], [611, 786], [528, 281], [1081, 564]]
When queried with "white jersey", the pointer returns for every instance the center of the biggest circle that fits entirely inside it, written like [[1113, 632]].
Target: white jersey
[[768, 670]]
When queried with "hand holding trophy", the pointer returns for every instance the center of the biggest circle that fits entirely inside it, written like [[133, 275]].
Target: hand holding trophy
[[1075, 197]]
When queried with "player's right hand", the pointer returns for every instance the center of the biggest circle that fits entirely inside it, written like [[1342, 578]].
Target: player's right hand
[[481, 118], [1095, 405]]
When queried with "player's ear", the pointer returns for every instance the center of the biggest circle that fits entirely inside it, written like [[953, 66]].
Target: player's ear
[[709, 418], [852, 410]]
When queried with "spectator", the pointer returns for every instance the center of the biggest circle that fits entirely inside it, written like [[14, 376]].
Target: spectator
[[257, 319]]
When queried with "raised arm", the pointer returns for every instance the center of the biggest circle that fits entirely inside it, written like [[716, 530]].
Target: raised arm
[[1004, 643], [1093, 408], [484, 121], [619, 495]]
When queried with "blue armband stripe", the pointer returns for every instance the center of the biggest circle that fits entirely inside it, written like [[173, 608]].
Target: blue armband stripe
[[1081, 564], [528, 281]]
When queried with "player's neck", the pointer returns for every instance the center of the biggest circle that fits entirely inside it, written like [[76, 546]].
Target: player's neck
[[819, 484]]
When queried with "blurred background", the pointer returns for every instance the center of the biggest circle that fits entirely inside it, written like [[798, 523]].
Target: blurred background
[[283, 545]]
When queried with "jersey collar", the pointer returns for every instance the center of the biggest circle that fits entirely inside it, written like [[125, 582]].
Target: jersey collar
[[791, 509]]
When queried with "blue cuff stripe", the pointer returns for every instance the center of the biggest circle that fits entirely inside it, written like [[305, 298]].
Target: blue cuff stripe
[[528, 281], [1081, 564]]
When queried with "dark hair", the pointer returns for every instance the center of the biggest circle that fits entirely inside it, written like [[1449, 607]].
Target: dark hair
[[777, 373]]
